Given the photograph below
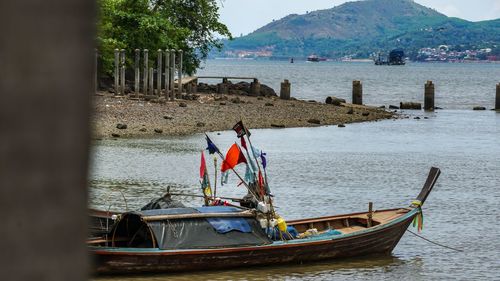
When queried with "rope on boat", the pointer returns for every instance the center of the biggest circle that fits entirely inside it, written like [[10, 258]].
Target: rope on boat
[[435, 243]]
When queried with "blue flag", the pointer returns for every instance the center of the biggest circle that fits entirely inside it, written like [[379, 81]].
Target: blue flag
[[211, 146], [263, 159]]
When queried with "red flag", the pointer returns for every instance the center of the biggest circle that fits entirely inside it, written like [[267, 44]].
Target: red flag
[[203, 165], [234, 156]]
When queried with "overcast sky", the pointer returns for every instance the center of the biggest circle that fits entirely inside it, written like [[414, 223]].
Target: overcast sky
[[245, 16]]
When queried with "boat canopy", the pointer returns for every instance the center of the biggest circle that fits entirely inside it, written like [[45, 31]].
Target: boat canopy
[[188, 228]]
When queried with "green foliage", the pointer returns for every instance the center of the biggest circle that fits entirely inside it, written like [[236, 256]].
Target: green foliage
[[190, 25]]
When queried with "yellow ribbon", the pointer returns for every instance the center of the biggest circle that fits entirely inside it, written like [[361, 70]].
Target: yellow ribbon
[[418, 220]]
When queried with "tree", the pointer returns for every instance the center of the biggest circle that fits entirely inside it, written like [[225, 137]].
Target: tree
[[190, 25]]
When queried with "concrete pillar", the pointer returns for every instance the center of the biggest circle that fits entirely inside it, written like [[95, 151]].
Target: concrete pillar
[[95, 83], [225, 80], [145, 80], [255, 88], [159, 68], [117, 72], [429, 96], [151, 85], [179, 79], [172, 74], [137, 72], [497, 99], [357, 92], [122, 71], [44, 148], [167, 74], [285, 90]]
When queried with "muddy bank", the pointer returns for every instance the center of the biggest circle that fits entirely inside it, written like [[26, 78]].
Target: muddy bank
[[124, 117]]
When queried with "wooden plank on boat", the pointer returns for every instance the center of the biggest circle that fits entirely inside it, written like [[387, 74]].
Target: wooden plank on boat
[[246, 214], [429, 184]]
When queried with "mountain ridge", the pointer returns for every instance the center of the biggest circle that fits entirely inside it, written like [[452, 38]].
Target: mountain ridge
[[363, 27]]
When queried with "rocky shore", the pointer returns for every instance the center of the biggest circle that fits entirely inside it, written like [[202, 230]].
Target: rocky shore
[[204, 112]]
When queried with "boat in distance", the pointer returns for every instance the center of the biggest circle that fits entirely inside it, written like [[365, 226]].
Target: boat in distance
[[220, 237]]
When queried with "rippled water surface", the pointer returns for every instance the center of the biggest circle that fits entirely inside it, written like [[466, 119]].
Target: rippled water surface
[[330, 170]]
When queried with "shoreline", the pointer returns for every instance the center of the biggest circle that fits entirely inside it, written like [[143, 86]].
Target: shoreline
[[115, 117]]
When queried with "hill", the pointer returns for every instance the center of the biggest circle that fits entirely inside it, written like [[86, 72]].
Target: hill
[[364, 27]]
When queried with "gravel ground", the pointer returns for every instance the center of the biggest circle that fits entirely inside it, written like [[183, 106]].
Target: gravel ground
[[216, 112]]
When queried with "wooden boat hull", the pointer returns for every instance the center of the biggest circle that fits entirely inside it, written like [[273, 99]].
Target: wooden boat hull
[[376, 240]]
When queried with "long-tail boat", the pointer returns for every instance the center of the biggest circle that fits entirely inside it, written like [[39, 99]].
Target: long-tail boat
[[189, 239]]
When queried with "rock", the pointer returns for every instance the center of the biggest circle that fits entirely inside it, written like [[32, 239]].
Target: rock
[[222, 103], [111, 90], [311, 101], [267, 91], [365, 113], [382, 106], [260, 98], [417, 118], [350, 111], [437, 107], [393, 107], [426, 117], [121, 126], [479, 108], [158, 131], [236, 100], [115, 135], [277, 125], [162, 100], [142, 130], [410, 105], [168, 117], [334, 100], [269, 104], [200, 124], [314, 121], [182, 104], [341, 126]]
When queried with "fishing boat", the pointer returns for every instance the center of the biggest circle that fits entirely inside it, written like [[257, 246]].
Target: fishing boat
[[221, 237]]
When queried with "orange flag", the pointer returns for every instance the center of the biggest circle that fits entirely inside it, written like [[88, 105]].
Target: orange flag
[[234, 156]]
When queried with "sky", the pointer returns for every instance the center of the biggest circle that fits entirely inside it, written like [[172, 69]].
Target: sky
[[245, 16]]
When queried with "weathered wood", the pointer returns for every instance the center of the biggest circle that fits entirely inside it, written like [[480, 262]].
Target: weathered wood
[[172, 74], [122, 71], [117, 72], [145, 81], [95, 81], [179, 73], [369, 215], [429, 96], [137, 72], [151, 80], [167, 74], [357, 92], [159, 60], [497, 98], [410, 105], [255, 88], [285, 90], [429, 184]]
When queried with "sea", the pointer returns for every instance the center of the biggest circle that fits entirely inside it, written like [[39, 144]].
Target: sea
[[330, 170]]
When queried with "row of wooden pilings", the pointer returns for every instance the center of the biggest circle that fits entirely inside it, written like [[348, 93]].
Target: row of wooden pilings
[[429, 96], [168, 64]]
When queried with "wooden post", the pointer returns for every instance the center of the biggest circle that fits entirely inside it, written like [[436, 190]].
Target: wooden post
[[122, 71], [429, 96], [255, 88], [146, 72], [137, 67], [497, 99], [369, 222], [357, 92], [180, 74], [151, 78], [285, 90], [167, 74], [172, 74], [117, 72], [158, 72], [96, 83]]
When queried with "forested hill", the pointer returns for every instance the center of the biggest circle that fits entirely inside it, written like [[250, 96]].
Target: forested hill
[[363, 27]]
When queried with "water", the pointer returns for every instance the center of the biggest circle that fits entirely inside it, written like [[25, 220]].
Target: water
[[330, 170]]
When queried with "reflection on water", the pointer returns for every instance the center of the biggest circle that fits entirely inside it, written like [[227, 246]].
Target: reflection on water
[[330, 170]]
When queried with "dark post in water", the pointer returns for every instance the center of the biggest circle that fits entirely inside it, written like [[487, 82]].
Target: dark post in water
[[357, 92], [497, 100], [429, 96], [285, 90]]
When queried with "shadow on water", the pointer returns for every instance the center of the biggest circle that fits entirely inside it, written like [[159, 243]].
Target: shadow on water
[[352, 267]]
